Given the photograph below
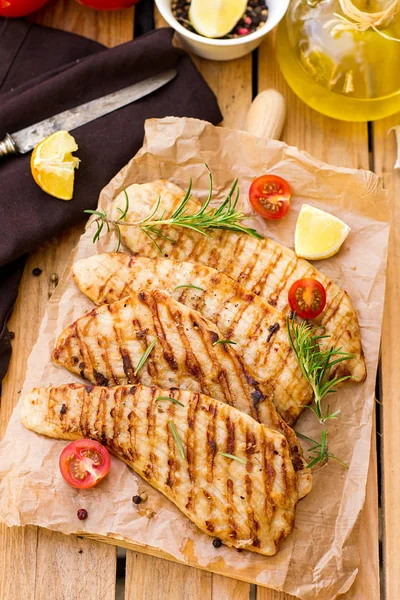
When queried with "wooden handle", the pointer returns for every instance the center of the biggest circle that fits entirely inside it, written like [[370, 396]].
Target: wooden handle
[[266, 115]]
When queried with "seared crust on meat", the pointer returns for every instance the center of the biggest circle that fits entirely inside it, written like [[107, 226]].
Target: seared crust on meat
[[245, 505], [262, 266], [106, 345], [258, 328]]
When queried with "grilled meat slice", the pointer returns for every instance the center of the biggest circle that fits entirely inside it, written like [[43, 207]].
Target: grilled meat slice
[[262, 266], [258, 328], [245, 505], [106, 345]]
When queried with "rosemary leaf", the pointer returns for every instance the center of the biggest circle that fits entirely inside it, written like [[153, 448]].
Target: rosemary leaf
[[161, 398], [233, 457], [145, 356], [226, 217], [177, 439], [188, 285], [319, 451], [316, 364], [225, 342]]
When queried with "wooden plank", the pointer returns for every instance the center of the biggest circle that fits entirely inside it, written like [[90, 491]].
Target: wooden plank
[[33, 562], [385, 156], [230, 81], [108, 28], [348, 146]]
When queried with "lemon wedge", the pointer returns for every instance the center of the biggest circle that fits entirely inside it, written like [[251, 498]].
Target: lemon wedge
[[53, 166], [216, 18], [318, 234]]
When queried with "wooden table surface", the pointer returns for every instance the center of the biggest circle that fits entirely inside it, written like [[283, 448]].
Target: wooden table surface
[[36, 564]]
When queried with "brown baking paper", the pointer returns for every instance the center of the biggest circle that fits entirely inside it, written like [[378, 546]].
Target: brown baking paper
[[320, 558]]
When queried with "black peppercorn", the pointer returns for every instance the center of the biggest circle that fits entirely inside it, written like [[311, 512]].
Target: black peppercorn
[[136, 499], [36, 271], [217, 543], [11, 335], [82, 514]]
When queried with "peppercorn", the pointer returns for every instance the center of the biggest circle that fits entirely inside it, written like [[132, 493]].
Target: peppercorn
[[11, 335], [217, 543], [136, 499], [36, 271], [82, 514]]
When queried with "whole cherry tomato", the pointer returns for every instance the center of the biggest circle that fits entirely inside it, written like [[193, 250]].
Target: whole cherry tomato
[[270, 196], [20, 8], [107, 4], [84, 463], [307, 297]]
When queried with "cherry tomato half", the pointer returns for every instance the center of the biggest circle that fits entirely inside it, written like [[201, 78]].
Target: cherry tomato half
[[307, 297], [270, 196], [84, 463], [20, 8], [107, 4]]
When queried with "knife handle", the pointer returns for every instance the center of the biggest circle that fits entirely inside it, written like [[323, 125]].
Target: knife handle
[[7, 146]]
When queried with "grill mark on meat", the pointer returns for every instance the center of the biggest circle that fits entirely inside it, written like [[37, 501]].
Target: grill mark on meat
[[127, 365], [151, 431], [211, 448], [272, 329], [230, 440], [191, 449], [230, 509], [149, 299]]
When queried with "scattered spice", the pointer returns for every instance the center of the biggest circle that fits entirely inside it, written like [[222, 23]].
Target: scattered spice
[[150, 513], [136, 500], [255, 16], [36, 271], [217, 543], [143, 496], [11, 335], [272, 329], [82, 514]]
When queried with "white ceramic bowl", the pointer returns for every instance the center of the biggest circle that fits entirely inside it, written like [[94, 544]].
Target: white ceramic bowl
[[215, 49]]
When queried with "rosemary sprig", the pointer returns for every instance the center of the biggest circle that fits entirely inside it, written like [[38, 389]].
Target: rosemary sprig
[[177, 439], [145, 356], [233, 457], [227, 216], [161, 398], [188, 285], [316, 364], [319, 451], [225, 342]]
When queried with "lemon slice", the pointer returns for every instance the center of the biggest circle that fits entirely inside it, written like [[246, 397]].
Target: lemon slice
[[53, 166], [318, 234], [216, 18]]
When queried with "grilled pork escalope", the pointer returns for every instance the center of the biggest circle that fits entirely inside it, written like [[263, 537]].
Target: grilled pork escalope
[[106, 345], [259, 330], [245, 505], [262, 266]]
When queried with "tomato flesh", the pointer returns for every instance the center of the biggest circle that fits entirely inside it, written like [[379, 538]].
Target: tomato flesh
[[108, 4], [84, 463], [307, 297], [270, 196], [20, 8]]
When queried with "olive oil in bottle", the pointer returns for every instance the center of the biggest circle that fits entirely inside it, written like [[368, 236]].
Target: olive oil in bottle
[[341, 67]]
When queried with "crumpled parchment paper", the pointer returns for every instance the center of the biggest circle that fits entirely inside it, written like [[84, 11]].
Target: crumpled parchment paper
[[320, 558]]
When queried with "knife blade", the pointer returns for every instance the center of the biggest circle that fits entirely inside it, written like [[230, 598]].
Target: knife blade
[[24, 140]]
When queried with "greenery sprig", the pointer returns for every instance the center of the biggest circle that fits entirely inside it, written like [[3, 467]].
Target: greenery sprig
[[225, 342], [145, 356], [227, 217], [319, 451], [174, 400], [316, 364], [177, 439], [233, 457]]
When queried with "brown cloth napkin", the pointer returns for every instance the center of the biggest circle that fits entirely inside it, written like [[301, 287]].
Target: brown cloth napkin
[[45, 71]]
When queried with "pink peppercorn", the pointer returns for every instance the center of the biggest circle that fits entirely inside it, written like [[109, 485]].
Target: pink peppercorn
[[82, 514], [243, 31], [247, 20]]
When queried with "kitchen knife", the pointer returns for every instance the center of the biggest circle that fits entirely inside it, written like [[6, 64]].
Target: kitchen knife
[[26, 139]]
